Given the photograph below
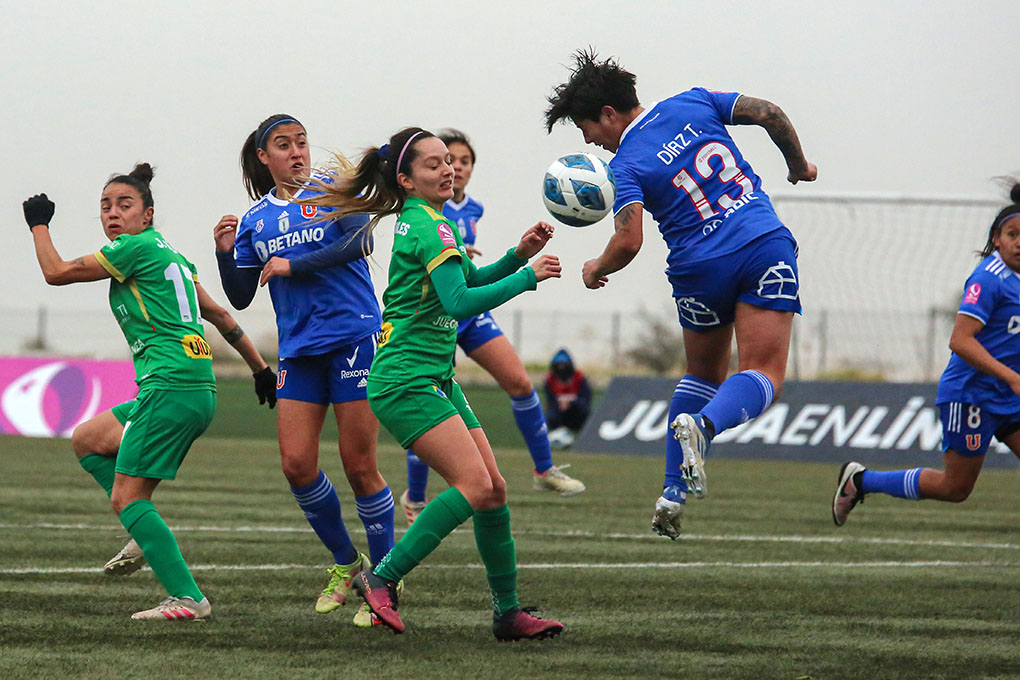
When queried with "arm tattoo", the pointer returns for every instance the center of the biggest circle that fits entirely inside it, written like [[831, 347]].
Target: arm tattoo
[[623, 217], [79, 262], [754, 111], [233, 335]]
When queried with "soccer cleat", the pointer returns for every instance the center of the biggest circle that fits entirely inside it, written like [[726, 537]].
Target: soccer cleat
[[554, 479], [176, 609], [668, 516], [364, 618], [380, 596], [411, 508], [129, 560], [848, 492], [694, 445], [518, 623], [335, 593]]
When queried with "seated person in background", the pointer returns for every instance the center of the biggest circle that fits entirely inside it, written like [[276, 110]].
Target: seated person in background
[[567, 400]]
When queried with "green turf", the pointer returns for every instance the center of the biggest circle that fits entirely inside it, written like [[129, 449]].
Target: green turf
[[726, 601]]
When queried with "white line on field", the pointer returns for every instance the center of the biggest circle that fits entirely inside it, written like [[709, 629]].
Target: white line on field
[[736, 538], [564, 565]]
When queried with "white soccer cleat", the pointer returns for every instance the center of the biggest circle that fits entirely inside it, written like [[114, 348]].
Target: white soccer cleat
[[693, 443], [129, 560], [554, 479], [848, 492], [411, 508], [667, 518], [176, 609], [335, 593]]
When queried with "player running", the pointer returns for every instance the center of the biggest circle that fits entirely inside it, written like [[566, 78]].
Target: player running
[[157, 300], [731, 262], [979, 392], [327, 318], [483, 340], [432, 284]]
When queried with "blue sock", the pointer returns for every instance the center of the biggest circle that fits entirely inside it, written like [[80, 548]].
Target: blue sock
[[898, 483], [531, 423], [417, 478], [690, 396], [741, 397], [376, 513], [322, 509]]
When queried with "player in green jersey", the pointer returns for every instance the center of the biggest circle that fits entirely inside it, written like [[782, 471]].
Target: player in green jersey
[[433, 284], [157, 300]]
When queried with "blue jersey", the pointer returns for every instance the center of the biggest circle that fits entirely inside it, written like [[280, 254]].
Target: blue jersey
[[678, 160], [316, 312], [465, 215], [992, 296]]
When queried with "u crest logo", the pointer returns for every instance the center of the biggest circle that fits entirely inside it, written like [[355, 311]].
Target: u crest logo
[[973, 442], [281, 378], [308, 211]]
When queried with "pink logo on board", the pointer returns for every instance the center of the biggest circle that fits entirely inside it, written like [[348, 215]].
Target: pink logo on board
[[973, 293], [446, 235], [50, 397]]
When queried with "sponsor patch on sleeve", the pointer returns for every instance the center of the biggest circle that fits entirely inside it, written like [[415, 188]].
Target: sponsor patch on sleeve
[[973, 293], [446, 234]]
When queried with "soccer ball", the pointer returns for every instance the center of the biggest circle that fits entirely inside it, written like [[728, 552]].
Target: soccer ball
[[579, 189]]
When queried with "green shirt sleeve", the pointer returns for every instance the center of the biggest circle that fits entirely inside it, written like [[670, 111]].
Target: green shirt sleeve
[[120, 256], [462, 302], [500, 269]]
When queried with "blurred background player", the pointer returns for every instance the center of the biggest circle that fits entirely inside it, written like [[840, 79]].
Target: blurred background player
[[482, 339], [731, 262], [327, 318], [979, 392], [432, 283], [567, 399], [157, 300]]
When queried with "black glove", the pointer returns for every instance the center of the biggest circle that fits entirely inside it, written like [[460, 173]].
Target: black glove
[[38, 210], [265, 386]]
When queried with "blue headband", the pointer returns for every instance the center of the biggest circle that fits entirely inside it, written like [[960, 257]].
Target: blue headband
[[262, 138]]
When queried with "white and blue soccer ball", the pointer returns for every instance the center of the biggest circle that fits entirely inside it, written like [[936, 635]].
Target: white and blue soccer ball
[[579, 189]]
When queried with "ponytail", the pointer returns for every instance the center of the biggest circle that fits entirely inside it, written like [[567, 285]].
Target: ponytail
[[139, 178]]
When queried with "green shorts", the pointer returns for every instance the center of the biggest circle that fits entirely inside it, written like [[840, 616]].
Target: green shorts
[[159, 430], [410, 409]]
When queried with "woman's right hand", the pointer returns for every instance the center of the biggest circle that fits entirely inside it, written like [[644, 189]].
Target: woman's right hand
[[546, 267], [224, 233]]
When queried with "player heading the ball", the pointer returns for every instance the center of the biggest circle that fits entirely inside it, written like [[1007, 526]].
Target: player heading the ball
[[731, 262]]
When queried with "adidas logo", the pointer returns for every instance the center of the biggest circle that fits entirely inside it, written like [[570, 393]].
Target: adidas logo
[[363, 382]]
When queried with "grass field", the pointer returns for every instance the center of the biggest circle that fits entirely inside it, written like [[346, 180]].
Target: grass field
[[761, 586]]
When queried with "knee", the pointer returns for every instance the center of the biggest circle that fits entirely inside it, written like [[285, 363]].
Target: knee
[[497, 498], [87, 440], [519, 385], [119, 500], [299, 470], [478, 492], [364, 480], [958, 492]]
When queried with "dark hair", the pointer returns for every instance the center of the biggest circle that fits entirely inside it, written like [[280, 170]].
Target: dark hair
[[371, 186], [1011, 210], [258, 181], [592, 85], [455, 136], [139, 178]]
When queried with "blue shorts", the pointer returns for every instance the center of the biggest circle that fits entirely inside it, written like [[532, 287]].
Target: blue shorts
[[474, 332], [763, 273], [331, 378], [968, 429]]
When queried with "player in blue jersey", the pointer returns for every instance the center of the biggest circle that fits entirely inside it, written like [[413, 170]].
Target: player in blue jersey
[[481, 338], [327, 317], [731, 262], [979, 393]]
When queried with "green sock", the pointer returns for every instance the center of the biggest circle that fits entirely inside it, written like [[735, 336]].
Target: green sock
[[160, 549], [101, 469], [444, 514], [496, 546]]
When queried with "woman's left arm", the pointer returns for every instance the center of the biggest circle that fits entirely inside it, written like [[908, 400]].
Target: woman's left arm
[[265, 378]]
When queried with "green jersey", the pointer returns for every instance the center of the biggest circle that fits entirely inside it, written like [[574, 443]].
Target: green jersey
[[418, 337], [153, 298]]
